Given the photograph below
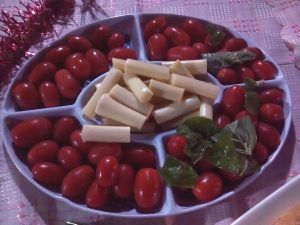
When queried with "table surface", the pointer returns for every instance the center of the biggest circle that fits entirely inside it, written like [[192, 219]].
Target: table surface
[[21, 203]]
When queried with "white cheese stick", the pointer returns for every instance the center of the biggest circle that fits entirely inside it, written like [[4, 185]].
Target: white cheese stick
[[195, 67], [176, 109], [148, 127], [178, 68], [97, 85], [110, 108], [195, 86], [118, 64], [112, 78], [177, 121], [154, 71], [166, 91], [137, 87], [206, 108], [128, 99], [98, 133]]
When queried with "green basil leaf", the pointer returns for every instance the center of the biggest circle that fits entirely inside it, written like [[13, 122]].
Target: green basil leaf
[[178, 174], [202, 125], [191, 137], [198, 152], [251, 97], [250, 84], [216, 34]]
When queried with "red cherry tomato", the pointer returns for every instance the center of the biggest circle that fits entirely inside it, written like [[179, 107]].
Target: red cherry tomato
[[155, 26], [245, 113], [71, 57], [100, 37], [264, 70], [203, 166], [195, 29], [49, 94], [234, 44], [230, 176], [176, 145], [258, 54], [227, 76], [67, 85], [139, 156], [208, 186], [122, 53], [96, 196], [244, 72], [267, 135], [260, 153], [100, 150], [124, 185], [271, 95], [222, 120], [116, 40], [69, 157], [211, 44], [182, 53], [79, 44], [233, 100], [77, 142], [26, 96], [48, 173], [30, 131], [177, 37], [62, 129], [58, 55], [43, 71], [98, 61], [44, 151], [80, 68], [108, 170], [271, 113], [157, 47], [147, 189], [200, 48]]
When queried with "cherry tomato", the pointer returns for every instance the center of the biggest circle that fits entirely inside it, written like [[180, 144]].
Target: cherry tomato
[[58, 54], [245, 113], [195, 29], [79, 44], [155, 26], [98, 61], [124, 185], [108, 170], [44, 151], [177, 37], [227, 76], [26, 96], [77, 181], [67, 85], [230, 176], [116, 40], [49, 94], [260, 153], [122, 53], [258, 54], [244, 72], [200, 48], [267, 135], [222, 120], [100, 150], [182, 53], [100, 37], [139, 156], [96, 197], [77, 142], [147, 189], [176, 145], [48, 173], [30, 131], [211, 44], [264, 70], [233, 100], [234, 44], [271, 113], [71, 57], [271, 95], [80, 68], [43, 71], [208, 186], [203, 166], [62, 129], [157, 47], [69, 158]]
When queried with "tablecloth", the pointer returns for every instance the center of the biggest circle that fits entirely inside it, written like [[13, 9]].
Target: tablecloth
[[262, 21]]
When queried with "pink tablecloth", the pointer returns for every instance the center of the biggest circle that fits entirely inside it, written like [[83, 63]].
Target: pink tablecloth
[[21, 203]]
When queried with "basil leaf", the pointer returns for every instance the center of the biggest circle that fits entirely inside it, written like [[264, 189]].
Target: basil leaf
[[250, 84], [251, 97], [177, 173], [198, 152], [191, 137], [202, 125], [216, 34]]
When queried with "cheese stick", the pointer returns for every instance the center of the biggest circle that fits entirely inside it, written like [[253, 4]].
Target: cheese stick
[[195, 86], [137, 87], [98, 133], [177, 121], [195, 67], [154, 71], [166, 91], [148, 127], [206, 108], [112, 78], [97, 85], [178, 68], [118, 64], [110, 108], [176, 109], [128, 99]]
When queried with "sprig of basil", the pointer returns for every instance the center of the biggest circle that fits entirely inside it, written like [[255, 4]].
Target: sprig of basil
[[251, 97]]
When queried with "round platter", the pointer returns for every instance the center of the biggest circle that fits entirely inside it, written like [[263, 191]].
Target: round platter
[[132, 26]]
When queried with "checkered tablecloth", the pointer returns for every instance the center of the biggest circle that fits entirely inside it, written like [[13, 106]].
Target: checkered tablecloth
[[262, 21]]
